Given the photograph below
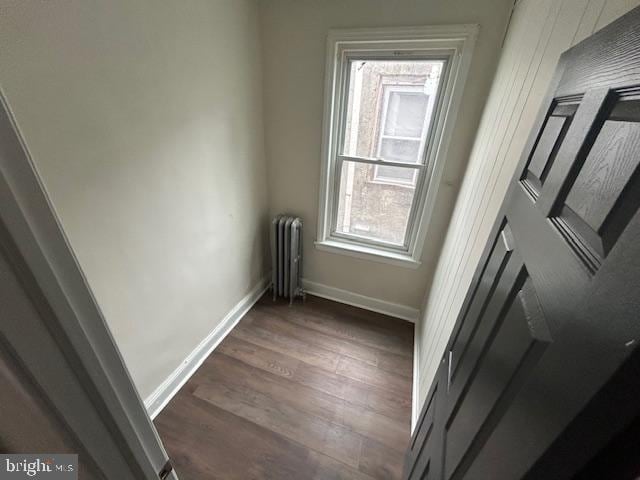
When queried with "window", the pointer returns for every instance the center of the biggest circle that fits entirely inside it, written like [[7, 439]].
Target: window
[[390, 100], [387, 122]]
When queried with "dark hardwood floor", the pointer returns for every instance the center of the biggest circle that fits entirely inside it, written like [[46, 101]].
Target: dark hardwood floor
[[319, 390]]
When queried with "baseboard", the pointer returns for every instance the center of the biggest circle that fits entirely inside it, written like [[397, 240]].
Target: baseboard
[[165, 392], [344, 296]]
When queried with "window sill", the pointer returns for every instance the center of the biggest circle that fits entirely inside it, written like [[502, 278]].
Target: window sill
[[368, 253]]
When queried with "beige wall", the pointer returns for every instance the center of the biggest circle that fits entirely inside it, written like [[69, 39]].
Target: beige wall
[[294, 34], [145, 121], [539, 32]]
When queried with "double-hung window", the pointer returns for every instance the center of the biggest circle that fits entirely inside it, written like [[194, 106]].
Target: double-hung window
[[391, 98]]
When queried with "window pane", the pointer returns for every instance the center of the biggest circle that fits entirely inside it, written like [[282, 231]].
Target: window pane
[[378, 211], [406, 113], [395, 174], [387, 99], [400, 150]]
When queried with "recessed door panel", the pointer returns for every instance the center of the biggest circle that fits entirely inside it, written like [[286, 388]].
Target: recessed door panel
[[465, 355], [547, 145], [602, 188], [482, 296], [514, 343]]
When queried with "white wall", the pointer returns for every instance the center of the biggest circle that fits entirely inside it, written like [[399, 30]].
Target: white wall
[[144, 119], [294, 37], [539, 32]]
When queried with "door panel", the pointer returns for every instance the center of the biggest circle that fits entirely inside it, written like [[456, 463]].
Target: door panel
[[552, 318], [515, 343], [590, 113], [507, 284], [547, 145], [486, 288], [604, 192]]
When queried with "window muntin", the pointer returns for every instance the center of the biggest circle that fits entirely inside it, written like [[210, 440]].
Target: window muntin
[[389, 111]]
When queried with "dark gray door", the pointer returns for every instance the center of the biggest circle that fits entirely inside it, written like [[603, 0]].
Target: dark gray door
[[539, 372]]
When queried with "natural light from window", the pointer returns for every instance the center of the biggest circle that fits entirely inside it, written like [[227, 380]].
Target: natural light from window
[[389, 112], [391, 101]]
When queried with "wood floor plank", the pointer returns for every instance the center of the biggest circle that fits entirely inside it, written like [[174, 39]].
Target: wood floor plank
[[359, 419], [389, 432], [325, 437], [386, 402], [398, 364], [391, 362], [393, 325], [315, 391], [393, 403], [372, 321], [374, 376], [380, 462], [335, 344], [193, 432], [206, 442], [325, 468], [220, 368], [259, 357], [349, 328], [281, 342]]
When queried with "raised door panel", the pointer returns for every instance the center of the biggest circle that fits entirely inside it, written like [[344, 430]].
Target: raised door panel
[[601, 190], [484, 292], [513, 345], [499, 338], [547, 145], [501, 284]]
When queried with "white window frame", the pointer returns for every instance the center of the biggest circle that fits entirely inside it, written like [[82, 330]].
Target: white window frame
[[454, 44]]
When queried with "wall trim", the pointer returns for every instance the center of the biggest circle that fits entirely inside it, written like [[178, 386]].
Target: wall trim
[[167, 389], [403, 312]]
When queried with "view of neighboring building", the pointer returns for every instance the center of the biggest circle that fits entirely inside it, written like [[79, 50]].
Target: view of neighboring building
[[388, 117]]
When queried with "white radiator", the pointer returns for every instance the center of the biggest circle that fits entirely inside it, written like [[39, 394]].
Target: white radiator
[[286, 257]]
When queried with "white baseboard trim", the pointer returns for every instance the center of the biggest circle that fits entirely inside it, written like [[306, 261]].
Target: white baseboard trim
[[155, 402], [355, 299]]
